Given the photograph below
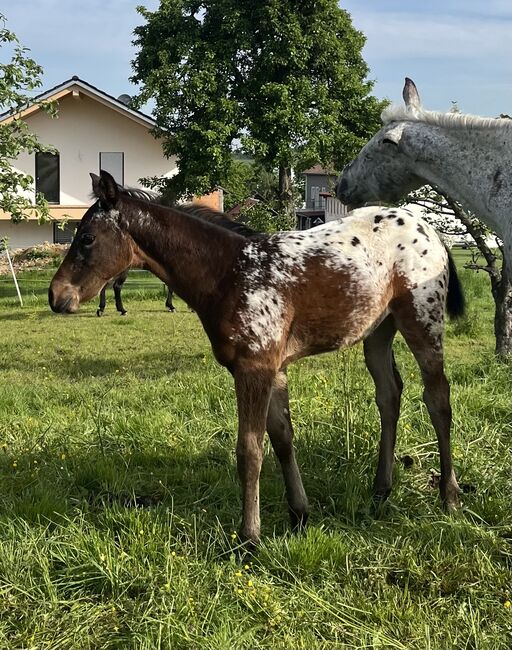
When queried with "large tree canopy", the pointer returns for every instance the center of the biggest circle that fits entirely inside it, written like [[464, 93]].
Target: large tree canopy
[[19, 74], [286, 78]]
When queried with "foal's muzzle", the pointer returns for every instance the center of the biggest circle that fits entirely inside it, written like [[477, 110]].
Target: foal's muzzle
[[66, 303]]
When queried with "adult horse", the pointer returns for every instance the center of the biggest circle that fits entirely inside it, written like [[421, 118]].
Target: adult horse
[[467, 157], [117, 285], [267, 301]]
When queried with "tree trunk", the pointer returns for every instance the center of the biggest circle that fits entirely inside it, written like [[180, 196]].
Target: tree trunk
[[285, 198], [503, 314]]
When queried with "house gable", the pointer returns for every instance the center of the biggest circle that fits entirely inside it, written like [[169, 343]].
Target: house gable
[[86, 125]]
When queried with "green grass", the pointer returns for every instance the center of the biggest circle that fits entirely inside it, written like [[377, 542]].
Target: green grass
[[119, 496]]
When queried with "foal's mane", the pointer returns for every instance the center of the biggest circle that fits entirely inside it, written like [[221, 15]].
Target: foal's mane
[[194, 210], [437, 118]]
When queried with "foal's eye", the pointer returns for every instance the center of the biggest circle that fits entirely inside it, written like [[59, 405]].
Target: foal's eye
[[87, 239]]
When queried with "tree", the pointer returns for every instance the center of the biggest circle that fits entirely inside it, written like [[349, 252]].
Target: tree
[[19, 74], [285, 78], [452, 219]]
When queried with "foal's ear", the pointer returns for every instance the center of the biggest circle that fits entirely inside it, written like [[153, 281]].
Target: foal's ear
[[95, 183], [105, 188], [410, 94]]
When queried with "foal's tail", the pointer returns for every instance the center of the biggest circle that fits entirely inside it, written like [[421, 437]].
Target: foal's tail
[[455, 301]]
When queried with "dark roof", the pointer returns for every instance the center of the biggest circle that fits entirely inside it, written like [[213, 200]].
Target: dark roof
[[318, 169]]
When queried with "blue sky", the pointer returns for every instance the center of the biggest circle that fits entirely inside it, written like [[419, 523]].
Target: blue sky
[[454, 50]]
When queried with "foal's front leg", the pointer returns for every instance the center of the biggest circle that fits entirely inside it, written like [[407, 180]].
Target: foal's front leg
[[253, 390]]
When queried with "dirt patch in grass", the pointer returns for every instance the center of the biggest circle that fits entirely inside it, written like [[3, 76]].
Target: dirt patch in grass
[[37, 257]]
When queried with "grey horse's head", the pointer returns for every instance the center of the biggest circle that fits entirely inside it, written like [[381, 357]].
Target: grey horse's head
[[382, 171]]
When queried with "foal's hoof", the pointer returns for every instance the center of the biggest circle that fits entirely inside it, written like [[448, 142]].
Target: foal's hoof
[[298, 521], [124, 312], [451, 503], [248, 539], [381, 495], [171, 310], [450, 497], [99, 312], [451, 506]]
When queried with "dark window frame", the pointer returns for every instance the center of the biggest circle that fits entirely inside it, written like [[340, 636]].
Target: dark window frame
[[36, 176], [58, 231], [122, 162]]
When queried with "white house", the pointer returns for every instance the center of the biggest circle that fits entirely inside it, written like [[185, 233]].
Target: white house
[[92, 131]]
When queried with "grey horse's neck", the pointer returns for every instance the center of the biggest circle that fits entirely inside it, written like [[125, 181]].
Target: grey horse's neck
[[476, 169]]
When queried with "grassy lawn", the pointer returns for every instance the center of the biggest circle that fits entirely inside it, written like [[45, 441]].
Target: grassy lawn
[[119, 497]]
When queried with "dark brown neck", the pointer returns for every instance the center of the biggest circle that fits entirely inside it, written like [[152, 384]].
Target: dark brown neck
[[194, 254]]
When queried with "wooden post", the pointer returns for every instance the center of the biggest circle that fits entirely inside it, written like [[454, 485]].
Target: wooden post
[[3, 244]]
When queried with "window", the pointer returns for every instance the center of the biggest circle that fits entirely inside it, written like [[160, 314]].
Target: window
[[48, 176], [64, 235], [113, 163]]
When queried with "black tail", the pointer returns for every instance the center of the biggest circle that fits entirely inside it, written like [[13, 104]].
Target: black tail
[[455, 301]]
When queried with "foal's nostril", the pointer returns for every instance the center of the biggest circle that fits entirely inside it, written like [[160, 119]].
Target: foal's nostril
[[50, 297]]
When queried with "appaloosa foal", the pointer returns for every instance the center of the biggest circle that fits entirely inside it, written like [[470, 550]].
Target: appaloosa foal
[[265, 302]]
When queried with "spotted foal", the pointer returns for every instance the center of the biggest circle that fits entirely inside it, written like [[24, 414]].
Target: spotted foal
[[268, 301]]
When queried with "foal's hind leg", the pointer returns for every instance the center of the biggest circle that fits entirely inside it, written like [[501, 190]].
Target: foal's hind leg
[[380, 361], [280, 431], [426, 343]]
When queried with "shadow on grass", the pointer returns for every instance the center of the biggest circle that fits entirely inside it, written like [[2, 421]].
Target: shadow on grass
[[191, 485], [153, 365]]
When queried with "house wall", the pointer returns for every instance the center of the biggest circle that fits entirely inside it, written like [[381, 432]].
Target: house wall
[[324, 183], [25, 234], [215, 200], [83, 128]]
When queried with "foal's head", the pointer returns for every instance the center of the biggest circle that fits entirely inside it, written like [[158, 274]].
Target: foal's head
[[100, 250]]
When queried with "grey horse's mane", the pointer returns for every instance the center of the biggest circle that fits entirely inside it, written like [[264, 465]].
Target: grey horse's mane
[[136, 193], [448, 120]]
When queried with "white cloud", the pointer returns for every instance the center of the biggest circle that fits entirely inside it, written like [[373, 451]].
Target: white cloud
[[91, 39], [398, 36], [454, 50]]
